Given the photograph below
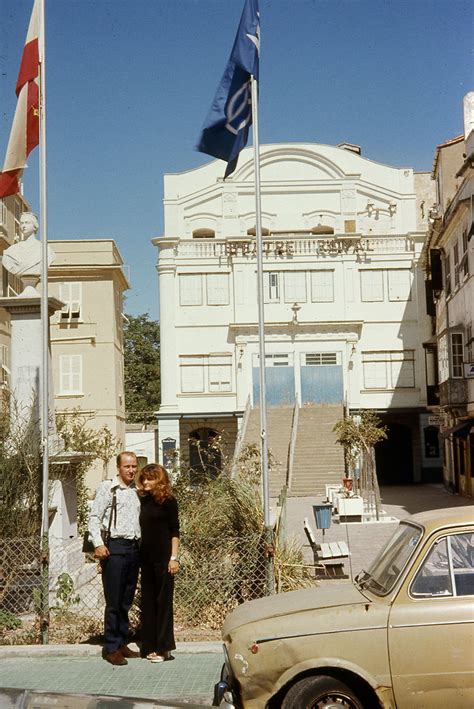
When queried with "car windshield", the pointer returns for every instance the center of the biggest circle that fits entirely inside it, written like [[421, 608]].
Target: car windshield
[[390, 561]]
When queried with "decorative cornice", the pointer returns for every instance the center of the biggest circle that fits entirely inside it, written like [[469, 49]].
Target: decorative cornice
[[29, 304]]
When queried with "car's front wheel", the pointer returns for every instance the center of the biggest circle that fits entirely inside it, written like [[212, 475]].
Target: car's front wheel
[[321, 693]]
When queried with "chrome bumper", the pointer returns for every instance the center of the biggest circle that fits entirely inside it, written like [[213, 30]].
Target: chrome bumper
[[223, 697]]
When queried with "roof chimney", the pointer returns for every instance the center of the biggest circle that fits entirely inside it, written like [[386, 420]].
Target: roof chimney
[[351, 148]]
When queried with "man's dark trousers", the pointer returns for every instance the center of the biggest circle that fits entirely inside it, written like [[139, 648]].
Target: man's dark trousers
[[119, 578]]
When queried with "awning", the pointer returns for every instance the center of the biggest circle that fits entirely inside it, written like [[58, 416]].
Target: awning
[[462, 429]]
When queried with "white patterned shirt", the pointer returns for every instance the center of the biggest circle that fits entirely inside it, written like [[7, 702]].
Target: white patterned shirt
[[126, 525]]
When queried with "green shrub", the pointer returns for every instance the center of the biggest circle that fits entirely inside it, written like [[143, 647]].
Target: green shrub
[[8, 621]]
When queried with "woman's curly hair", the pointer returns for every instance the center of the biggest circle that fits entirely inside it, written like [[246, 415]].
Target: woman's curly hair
[[161, 489]]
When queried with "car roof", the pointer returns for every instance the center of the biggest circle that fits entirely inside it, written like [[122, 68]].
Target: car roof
[[436, 519]]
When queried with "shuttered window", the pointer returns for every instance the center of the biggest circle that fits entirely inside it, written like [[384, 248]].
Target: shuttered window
[[322, 286], [70, 374], [295, 287], [220, 373], [457, 355], [217, 288], [371, 285], [71, 295], [192, 374], [190, 289], [271, 287], [399, 284], [389, 369], [210, 373]]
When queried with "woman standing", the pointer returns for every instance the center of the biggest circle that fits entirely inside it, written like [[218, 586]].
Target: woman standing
[[159, 526]]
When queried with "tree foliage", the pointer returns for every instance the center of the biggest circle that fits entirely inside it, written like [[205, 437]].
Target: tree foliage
[[73, 427], [20, 481], [21, 465], [142, 367], [358, 434]]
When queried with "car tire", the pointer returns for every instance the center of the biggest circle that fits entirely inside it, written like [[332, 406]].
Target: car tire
[[321, 693]]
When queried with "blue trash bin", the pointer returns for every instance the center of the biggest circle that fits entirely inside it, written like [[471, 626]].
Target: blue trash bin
[[322, 516]]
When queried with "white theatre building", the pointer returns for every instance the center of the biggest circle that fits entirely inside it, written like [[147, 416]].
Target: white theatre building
[[345, 314]]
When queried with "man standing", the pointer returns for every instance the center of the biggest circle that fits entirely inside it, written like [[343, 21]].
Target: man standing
[[116, 503]]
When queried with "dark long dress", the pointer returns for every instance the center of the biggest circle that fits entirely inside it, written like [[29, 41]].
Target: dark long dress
[[158, 523]]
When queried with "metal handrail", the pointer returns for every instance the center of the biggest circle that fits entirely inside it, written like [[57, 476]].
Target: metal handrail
[[240, 437], [292, 446]]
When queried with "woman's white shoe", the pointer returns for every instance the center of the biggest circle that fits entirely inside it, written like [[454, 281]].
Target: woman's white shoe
[[154, 657]]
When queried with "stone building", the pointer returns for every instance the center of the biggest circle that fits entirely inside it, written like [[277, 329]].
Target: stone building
[[345, 314], [11, 209], [449, 264], [87, 336]]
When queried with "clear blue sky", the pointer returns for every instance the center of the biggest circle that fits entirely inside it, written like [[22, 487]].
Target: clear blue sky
[[129, 83]]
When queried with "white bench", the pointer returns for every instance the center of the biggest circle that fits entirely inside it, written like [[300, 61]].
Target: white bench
[[328, 556], [330, 550]]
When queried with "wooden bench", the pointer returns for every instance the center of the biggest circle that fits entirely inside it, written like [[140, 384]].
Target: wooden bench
[[328, 556], [330, 550]]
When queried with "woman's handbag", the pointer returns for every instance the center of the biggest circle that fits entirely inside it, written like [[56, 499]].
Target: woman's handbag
[[87, 545]]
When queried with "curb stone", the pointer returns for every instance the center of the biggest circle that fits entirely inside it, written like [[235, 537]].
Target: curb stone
[[12, 651]]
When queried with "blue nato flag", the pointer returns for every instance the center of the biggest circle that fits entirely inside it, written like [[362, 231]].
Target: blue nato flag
[[226, 128]]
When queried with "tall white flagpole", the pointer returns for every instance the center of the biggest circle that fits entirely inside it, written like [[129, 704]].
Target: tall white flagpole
[[270, 582], [44, 387]]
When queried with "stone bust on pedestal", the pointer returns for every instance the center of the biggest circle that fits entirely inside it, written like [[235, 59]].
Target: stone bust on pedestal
[[23, 259]]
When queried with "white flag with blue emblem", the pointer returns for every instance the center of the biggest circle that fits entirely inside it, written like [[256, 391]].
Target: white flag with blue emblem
[[227, 124]]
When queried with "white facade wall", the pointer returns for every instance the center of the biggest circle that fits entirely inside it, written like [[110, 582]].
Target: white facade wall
[[359, 291]]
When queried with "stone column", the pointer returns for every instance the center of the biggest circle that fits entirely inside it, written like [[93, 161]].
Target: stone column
[[166, 282], [166, 267], [26, 348]]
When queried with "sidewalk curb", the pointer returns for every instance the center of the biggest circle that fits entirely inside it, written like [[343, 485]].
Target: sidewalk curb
[[40, 651]]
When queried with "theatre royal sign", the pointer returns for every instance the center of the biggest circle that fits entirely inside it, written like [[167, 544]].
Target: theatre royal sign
[[328, 247]]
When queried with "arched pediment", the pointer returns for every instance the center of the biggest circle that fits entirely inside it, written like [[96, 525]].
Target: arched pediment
[[291, 164]]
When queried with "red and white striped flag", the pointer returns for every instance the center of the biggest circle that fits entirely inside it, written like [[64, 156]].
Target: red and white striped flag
[[24, 134]]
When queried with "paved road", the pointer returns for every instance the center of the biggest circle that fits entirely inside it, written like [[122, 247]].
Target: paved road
[[189, 677], [365, 540]]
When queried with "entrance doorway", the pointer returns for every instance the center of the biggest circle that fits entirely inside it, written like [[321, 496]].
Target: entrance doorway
[[205, 455], [394, 456]]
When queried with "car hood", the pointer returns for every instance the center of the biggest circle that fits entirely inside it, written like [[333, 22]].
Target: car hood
[[284, 604]]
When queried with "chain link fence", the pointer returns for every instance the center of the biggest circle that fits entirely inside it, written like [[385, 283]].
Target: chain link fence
[[215, 576], [20, 582]]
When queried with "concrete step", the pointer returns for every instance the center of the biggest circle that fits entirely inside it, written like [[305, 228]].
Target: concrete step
[[279, 421], [319, 460]]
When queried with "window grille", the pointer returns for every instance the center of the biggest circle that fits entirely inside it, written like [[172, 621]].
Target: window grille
[[320, 358]]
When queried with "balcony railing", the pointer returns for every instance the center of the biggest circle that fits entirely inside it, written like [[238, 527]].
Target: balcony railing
[[285, 246]]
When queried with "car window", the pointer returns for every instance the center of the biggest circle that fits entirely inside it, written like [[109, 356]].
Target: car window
[[391, 560], [462, 553], [448, 569]]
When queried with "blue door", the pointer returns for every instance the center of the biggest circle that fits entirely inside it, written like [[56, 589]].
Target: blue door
[[280, 385], [322, 384]]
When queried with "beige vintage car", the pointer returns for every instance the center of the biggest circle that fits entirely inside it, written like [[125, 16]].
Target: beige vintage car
[[400, 636]]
